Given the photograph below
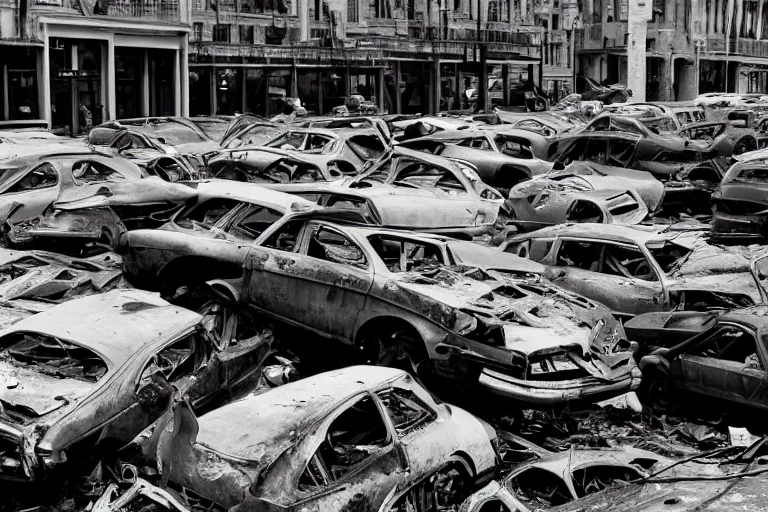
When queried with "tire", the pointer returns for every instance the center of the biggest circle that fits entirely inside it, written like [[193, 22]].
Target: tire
[[395, 346], [656, 391]]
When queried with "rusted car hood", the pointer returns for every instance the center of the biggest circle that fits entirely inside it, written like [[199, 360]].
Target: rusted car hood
[[24, 389], [150, 190], [532, 322]]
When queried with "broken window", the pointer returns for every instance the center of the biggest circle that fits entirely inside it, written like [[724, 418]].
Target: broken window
[[540, 487], [537, 127], [627, 261], [44, 176], [405, 255], [730, 343], [574, 150], [584, 211], [406, 411], [356, 435], [669, 256], [476, 143], [253, 222], [330, 245], [583, 255], [366, 147], [596, 151], [285, 237], [593, 479], [183, 358], [419, 175], [621, 152], [254, 136], [93, 172], [52, 356], [205, 214], [753, 175], [495, 505], [513, 147], [290, 171]]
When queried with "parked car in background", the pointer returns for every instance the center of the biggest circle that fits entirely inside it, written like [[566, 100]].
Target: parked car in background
[[640, 269], [256, 164]]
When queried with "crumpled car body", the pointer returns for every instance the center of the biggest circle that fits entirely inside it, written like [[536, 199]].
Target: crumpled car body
[[394, 208], [544, 202], [717, 355], [97, 370], [598, 479], [499, 165], [354, 435], [595, 176], [740, 202], [462, 194], [640, 269], [273, 165]]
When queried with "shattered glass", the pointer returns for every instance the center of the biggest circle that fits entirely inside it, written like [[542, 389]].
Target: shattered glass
[[52, 356]]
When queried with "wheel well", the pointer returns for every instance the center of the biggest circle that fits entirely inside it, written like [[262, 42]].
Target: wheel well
[[386, 322], [750, 143], [704, 173], [508, 176], [196, 269], [466, 463]]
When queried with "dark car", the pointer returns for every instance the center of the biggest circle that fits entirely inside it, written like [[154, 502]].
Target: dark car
[[721, 356]]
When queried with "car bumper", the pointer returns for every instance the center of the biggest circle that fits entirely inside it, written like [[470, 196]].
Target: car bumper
[[555, 392]]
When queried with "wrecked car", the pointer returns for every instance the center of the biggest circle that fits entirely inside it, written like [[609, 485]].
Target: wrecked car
[[275, 165], [437, 304], [501, 160], [544, 202], [591, 90], [719, 356], [156, 159], [740, 202], [395, 208], [351, 436], [640, 269], [466, 197], [599, 479], [87, 376], [587, 175]]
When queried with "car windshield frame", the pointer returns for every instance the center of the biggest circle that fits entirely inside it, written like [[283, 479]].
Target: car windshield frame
[[160, 129]]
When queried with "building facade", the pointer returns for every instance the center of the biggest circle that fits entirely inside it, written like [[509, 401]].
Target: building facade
[[691, 47], [408, 56], [75, 63]]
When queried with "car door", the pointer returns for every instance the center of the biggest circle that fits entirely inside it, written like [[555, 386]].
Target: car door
[[619, 276], [730, 364], [320, 281], [355, 459], [35, 190]]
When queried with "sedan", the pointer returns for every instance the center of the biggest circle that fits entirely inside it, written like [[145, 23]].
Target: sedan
[[87, 376]]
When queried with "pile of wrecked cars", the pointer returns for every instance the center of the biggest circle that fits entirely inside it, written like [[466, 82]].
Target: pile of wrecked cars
[[225, 313]]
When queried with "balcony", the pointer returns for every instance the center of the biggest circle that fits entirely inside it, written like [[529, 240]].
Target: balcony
[[149, 10], [745, 46]]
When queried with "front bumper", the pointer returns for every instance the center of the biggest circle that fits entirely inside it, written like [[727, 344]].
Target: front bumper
[[555, 392]]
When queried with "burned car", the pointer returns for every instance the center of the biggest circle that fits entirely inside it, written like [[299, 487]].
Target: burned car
[[721, 356], [452, 307], [354, 435], [501, 166], [640, 269], [590, 90], [544, 202], [465, 199], [599, 479], [740, 202], [86, 376], [275, 165], [395, 207]]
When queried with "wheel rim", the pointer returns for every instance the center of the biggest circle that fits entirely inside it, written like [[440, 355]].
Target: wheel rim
[[220, 322], [658, 393]]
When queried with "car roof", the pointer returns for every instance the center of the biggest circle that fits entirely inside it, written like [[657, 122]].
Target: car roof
[[249, 193], [420, 155], [261, 427], [21, 154], [639, 234], [115, 325]]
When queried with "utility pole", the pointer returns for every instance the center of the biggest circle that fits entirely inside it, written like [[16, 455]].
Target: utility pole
[[640, 12], [482, 92]]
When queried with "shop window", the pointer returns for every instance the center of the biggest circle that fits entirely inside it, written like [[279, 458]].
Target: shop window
[[246, 34], [43, 177], [221, 33], [22, 94]]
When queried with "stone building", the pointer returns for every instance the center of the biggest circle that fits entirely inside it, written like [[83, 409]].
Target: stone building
[[691, 47]]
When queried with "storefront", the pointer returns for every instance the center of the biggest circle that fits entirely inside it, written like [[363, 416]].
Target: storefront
[[94, 70]]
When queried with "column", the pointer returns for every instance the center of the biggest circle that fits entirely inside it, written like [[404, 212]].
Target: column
[[184, 59], [145, 83], [398, 95], [44, 83], [380, 90], [176, 83], [458, 88], [267, 113], [242, 78], [505, 84], [294, 81], [319, 91], [6, 109], [213, 86], [111, 101]]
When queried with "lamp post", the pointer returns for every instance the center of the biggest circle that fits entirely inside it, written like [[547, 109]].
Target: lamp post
[[571, 32]]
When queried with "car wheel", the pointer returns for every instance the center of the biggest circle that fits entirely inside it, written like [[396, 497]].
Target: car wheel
[[656, 392], [397, 347], [220, 320], [744, 145]]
